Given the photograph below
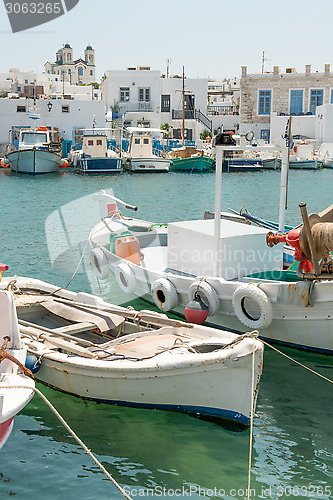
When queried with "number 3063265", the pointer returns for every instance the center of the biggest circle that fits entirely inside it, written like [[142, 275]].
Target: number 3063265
[[34, 8]]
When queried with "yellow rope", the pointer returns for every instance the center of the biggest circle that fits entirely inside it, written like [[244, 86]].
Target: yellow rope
[[297, 362], [77, 439], [251, 428]]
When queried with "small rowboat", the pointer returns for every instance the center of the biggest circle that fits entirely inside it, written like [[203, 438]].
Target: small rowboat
[[13, 374], [95, 350]]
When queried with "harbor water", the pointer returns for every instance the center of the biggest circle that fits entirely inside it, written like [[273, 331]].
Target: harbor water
[[159, 453]]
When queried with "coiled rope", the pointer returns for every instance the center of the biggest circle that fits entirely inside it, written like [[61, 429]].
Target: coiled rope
[[70, 430]]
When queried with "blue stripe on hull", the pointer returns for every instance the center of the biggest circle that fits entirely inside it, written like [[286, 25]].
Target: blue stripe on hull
[[100, 165], [228, 416]]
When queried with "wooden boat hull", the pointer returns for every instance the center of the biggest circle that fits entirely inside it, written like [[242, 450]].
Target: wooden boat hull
[[147, 165], [241, 165], [192, 164], [302, 164], [34, 161], [177, 367], [107, 165]]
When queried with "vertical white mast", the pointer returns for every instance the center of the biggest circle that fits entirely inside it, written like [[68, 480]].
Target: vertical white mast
[[284, 178]]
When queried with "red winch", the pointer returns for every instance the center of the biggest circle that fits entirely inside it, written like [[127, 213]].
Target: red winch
[[292, 239]]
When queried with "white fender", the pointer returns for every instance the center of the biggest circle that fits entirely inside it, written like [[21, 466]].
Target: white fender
[[125, 277], [207, 293], [99, 263], [261, 299], [164, 294]]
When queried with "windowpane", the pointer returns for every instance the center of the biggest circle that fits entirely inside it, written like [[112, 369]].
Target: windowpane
[[316, 99], [124, 94], [296, 101], [264, 107], [144, 94]]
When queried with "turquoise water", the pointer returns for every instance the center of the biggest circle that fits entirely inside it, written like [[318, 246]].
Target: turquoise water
[[293, 432]]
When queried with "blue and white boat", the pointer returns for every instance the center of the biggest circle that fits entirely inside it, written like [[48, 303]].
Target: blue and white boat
[[37, 153], [95, 157]]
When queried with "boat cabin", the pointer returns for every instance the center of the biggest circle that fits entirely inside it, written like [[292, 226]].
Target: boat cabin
[[30, 138], [94, 146]]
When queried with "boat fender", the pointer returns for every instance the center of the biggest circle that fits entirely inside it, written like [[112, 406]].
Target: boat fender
[[207, 294], [295, 149], [32, 363], [125, 277], [260, 298], [75, 161], [99, 263], [164, 294], [63, 163]]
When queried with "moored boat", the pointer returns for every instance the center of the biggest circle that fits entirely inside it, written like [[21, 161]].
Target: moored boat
[[140, 156], [241, 281], [95, 350], [37, 152], [95, 157], [16, 386]]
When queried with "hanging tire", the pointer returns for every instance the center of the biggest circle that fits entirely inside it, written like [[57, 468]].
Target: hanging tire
[[164, 294], [207, 293], [125, 277], [262, 302], [99, 263]]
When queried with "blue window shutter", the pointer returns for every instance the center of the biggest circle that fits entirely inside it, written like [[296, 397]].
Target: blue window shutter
[[264, 107]]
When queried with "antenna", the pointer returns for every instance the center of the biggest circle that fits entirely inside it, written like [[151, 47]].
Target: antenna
[[168, 67], [264, 59]]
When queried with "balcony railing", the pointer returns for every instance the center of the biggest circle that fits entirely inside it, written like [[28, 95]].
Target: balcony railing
[[223, 110], [136, 106]]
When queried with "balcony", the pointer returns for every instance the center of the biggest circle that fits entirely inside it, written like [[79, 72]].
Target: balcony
[[222, 110], [136, 106]]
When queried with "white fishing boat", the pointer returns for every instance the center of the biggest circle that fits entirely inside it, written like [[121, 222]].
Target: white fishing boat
[[37, 153], [16, 387], [89, 348], [140, 156], [325, 154], [95, 157], [229, 266]]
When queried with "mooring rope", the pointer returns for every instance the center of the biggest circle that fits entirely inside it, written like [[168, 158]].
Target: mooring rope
[[297, 362], [251, 426], [77, 439]]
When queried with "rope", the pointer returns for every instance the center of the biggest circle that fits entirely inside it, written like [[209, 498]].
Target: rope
[[5, 355], [77, 439], [297, 362], [251, 427], [76, 270]]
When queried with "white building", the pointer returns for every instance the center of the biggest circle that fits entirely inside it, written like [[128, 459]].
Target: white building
[[143, 97], [65, 115], [18, 83], [73, 70]]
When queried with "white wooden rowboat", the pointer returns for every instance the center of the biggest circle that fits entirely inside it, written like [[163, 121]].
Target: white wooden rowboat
[[92, 349], [13, 376]]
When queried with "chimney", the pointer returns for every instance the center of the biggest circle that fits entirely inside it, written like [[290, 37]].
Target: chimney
[[327, 69], [244, 71], [308, 69], [276, 70]]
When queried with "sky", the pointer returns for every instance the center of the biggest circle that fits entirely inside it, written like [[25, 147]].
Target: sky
[[210, 38]]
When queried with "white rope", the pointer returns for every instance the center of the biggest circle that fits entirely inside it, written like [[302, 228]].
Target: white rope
[[77, 439], [251, 427], [297, 362]]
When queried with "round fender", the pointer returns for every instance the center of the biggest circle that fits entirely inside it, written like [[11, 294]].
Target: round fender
[[99, 263], [261, 300], [164, 294], [207, 293], [125, 277]]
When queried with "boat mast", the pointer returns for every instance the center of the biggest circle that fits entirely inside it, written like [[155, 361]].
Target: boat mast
[[284, 178], [183, 121]]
